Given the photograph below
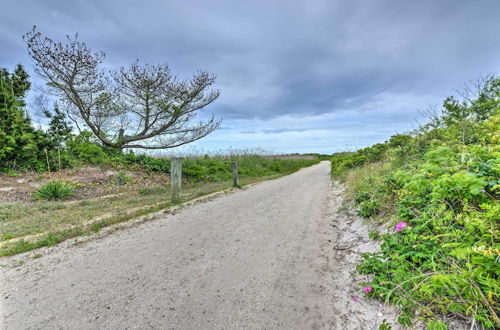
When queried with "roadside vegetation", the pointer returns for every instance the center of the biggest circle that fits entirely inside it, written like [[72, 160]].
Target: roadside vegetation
[[437, 192], [56, 183]]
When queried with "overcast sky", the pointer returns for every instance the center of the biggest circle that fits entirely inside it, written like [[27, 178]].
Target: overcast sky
[[295, 75]]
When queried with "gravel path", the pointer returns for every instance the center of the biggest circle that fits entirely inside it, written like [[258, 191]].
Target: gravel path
[[259, 258]]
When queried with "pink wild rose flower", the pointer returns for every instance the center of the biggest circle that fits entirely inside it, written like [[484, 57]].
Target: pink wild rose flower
[[367, 289], [401, 225]]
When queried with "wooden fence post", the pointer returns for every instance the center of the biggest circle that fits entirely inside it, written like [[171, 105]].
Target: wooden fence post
[[175, 179], [235, 174]]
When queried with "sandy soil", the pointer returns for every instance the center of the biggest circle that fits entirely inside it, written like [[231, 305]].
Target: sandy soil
[[276, 255], [352, 310]]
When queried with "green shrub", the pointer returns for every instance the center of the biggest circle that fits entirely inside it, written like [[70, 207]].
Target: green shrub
[[54, 190], [447, 257], [89, 152], [195, 172], [442, 185], [150, 164], [121, 179], [369, 208]]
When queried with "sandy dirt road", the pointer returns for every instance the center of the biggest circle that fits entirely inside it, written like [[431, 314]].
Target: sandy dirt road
[[259, 258]]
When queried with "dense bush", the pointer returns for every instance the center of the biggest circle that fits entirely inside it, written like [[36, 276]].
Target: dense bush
[[438, 188], [150, 164]]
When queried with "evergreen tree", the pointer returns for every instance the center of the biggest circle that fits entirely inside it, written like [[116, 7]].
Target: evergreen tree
[[60, 130], [18, 139], [15, 84]]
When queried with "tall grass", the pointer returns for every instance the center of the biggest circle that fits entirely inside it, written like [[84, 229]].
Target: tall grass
[[218, 167]]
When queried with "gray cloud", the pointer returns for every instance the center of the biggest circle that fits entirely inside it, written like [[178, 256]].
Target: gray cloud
[[285, 58]]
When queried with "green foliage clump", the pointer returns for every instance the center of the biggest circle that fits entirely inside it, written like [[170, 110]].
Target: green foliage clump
[[148, 163], [54, 190], [85, 149], [121, 179], [442, 185], [343, 161]]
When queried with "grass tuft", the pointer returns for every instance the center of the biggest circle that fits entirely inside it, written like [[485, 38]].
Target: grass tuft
[[54, 190]]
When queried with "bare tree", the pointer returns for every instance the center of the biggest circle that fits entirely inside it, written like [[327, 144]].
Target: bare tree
[[142, 106], [476, 93]]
